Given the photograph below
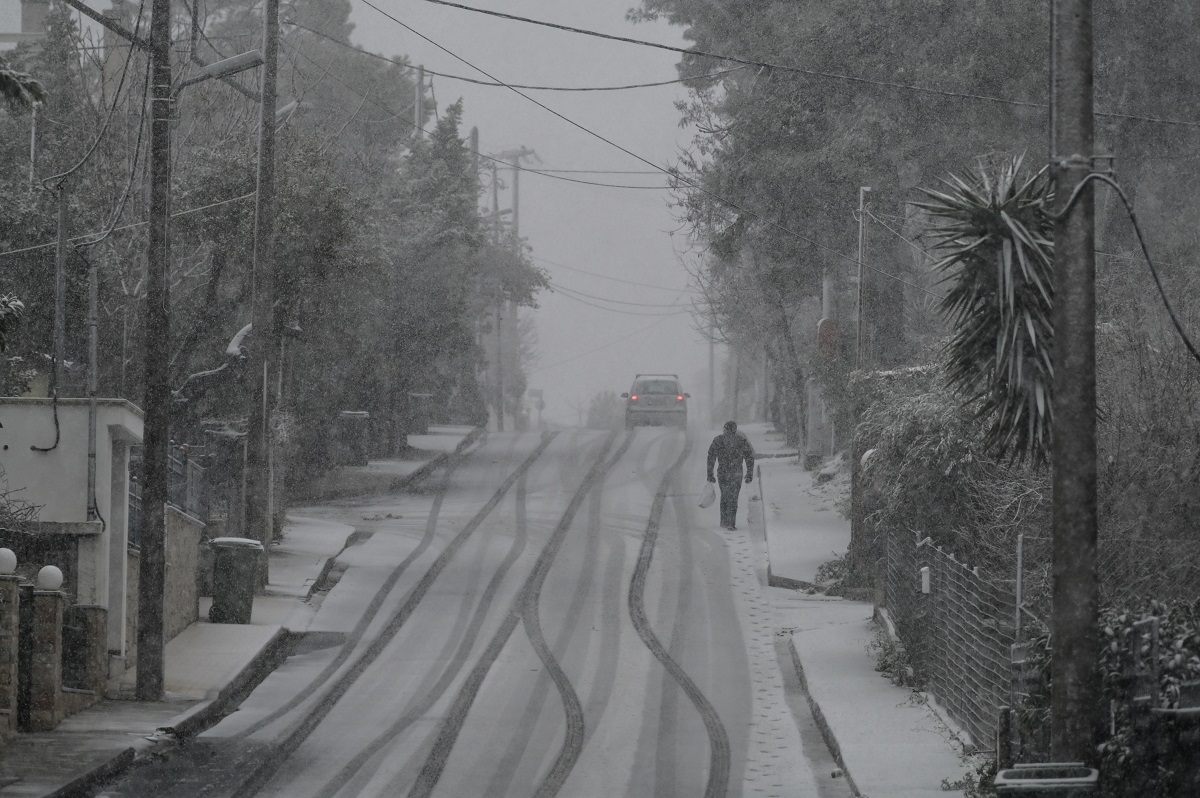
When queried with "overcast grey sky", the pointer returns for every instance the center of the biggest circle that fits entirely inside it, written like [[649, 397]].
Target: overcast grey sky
[[625, 234]]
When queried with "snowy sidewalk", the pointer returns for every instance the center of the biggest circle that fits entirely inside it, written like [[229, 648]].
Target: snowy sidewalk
[[890, 742], [425, 453], [805, 526], [208, 668]]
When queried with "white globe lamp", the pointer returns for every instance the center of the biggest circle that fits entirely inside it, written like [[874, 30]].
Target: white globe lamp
[[49, 578]]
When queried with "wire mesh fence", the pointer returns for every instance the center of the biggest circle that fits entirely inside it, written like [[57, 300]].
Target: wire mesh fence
[[1130, 570], [965, 641], [958, 628]]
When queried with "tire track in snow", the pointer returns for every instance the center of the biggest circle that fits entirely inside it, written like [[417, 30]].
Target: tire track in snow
[[666, 783], [511, 759], [718, 771], [354, 774], [574, 737], [369, 614], [435, 763], [300, 732]]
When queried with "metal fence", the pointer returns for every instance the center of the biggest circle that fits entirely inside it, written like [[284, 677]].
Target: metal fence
[[187, 487], [1130, 570], [958, 628], [962, 632]]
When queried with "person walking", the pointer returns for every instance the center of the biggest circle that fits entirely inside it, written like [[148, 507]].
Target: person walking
[[728, 451]]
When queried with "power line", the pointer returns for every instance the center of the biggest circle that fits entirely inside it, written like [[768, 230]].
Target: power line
[[603, 276], [911, 244], [678, 176], [497, 84], [498, 161], [606, 171], [129, 226], [622, 312], [784, 68], [565, 289]]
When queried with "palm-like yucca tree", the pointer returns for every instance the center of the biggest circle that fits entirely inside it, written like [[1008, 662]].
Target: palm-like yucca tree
[[994, 234], [20, 89]]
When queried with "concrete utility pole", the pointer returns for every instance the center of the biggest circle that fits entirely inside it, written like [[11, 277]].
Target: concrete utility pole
[[499, 306], [1075, 672], [419, 103], [156, 403], [261, 363], [859, 357], [512, 313]]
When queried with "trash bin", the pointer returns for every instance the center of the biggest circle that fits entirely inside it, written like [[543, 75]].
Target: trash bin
[[420, 413], [1039, 780], [235, 575]]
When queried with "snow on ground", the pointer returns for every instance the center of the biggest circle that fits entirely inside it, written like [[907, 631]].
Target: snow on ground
[[893, 744], [805, 527]]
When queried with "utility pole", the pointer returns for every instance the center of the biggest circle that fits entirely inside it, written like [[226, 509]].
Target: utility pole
[[859, 358], [156, 404], [419, 103], [512, 313], [475, 151], [60, 291], [1075, 672], [499, 306], [261, 363]]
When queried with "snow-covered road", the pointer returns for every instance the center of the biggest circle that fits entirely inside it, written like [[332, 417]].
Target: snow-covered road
[[554, 616]]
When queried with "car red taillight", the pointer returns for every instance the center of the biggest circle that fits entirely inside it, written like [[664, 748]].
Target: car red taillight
[[679, 398], [633, 398]]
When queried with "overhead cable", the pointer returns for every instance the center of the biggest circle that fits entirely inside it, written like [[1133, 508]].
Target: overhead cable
[[565, 289], [497, 84], [62, 176], [498, 161], [623, 312], [785, 68], [678, 176], [604, 276], [129, 226]]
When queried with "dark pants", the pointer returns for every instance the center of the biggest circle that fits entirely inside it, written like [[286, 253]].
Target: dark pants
[[729, 500]]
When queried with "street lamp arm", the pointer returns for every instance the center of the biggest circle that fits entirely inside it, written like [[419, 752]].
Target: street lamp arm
[[224, 68]]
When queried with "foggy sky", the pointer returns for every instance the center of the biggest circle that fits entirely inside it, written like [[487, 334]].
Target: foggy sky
[[621, 233]]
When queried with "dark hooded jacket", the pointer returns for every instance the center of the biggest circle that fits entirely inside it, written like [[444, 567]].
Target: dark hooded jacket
[[728, 452]]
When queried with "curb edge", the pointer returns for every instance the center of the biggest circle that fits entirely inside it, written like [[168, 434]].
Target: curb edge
[[819, 718]]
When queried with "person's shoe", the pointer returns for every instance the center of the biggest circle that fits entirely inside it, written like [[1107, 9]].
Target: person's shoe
[[733, 527]]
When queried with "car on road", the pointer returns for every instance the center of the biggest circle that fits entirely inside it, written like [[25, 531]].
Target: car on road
[[655, 399]]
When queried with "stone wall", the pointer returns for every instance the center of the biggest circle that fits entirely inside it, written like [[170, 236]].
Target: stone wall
[[182, 594]]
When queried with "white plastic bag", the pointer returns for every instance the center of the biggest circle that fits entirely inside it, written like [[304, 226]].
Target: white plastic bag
[[708, 496]]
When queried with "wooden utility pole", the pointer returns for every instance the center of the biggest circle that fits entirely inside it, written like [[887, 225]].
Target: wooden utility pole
[[1075, 672], [261, 363], [859, 356], [157, 335]]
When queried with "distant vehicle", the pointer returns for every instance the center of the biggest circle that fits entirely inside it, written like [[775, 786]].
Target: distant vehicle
[[655, 399]]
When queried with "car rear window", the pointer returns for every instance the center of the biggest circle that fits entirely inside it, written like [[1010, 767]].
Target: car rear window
[[656, 386]]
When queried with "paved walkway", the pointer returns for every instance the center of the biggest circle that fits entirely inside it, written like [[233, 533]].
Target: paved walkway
[[887, 738], [207, 667]]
